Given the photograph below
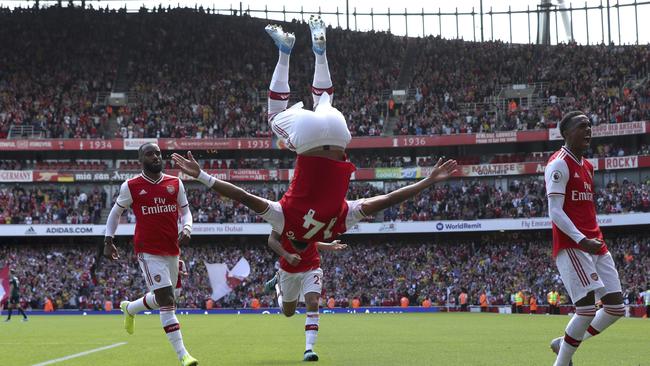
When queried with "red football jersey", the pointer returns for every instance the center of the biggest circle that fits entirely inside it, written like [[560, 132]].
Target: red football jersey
[[316, 198], [310, 258], [155, 205], [572, 177]]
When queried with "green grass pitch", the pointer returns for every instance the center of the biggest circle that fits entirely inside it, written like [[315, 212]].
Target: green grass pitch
[[344, 339]]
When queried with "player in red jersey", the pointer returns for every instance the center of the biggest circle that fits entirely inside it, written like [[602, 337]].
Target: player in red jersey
[[300, 273], [156, 200], [585, 265], [313, 211]]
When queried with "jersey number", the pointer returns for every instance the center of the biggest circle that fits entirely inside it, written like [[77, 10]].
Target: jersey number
[[316, 225]]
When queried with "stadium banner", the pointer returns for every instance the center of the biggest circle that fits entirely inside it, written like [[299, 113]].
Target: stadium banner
[[609, 129], [388, 173], [216, 144], [621, 162], [92, 177], [134, 144], [61, 144], [449, 226], [252, 174], [260, 175], [496, 137], [493, 169], [7, 176], [53, 176]]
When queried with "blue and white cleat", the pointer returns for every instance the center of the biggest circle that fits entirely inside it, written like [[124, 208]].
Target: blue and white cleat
[[269, 286], [318, 39], [282, 39]]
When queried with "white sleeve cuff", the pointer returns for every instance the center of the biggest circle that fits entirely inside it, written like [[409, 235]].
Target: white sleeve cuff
[[206, 179]]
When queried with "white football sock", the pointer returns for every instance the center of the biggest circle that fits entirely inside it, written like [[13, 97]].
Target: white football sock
[[279, 89], [146, 302], [605, 317], [311, 329], [277, 291], [574, 333], [322, 79], [173, 329]]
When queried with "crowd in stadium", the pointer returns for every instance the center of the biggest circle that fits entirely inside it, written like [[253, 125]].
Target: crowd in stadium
[[63, 205], [376, 273], [184, 82], [451, 72], [466, 200]]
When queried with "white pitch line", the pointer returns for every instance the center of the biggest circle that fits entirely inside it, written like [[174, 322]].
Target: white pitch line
[[79, 354]]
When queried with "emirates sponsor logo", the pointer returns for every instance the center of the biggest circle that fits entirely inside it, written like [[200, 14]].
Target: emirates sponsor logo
[[582, 196], [158, 209], [160, 206]]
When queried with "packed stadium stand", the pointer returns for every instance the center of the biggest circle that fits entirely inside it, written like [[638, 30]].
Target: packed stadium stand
[[69, 131], [378, 274]]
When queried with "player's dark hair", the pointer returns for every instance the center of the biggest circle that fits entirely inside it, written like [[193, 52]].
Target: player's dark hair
[[141, 149], [567, 120]]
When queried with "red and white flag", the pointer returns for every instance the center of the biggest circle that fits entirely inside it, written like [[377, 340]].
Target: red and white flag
[[224, 281], [4, 283]]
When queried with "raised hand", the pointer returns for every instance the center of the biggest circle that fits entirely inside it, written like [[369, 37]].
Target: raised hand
[[189, 166], [443, 170]]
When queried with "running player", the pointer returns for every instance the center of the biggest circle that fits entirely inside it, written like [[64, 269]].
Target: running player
[[156, 199], [585, 265]]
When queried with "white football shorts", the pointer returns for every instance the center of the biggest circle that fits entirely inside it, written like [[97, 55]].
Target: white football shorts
[[159, 270], [582, 272], [294, 286]]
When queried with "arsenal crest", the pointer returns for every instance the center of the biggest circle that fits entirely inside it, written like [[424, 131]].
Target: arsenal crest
[[594, 276], [156, 278], [171, 189]]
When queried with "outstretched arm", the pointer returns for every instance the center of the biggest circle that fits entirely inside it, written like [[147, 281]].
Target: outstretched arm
[[440, 172], [190, 167]]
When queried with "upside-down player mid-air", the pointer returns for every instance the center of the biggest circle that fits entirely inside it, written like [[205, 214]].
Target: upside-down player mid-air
[[313, 211]]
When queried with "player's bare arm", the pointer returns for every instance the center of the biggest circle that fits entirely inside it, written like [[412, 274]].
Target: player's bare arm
[[191, 167], [441, 171], [276, 246], [333, 246]]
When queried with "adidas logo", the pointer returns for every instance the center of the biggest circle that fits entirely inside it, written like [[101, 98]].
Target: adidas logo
[[143, 192], [576, 175], [30, 231]]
